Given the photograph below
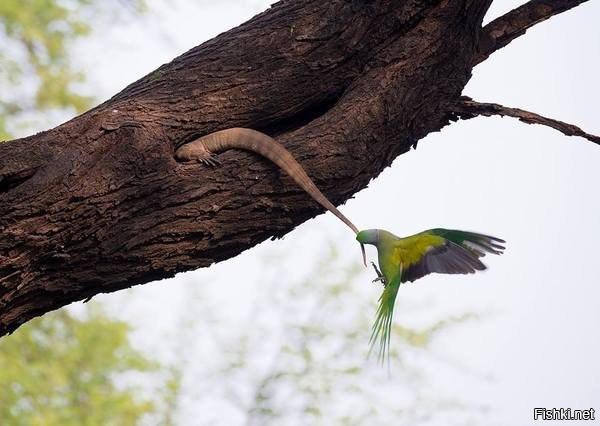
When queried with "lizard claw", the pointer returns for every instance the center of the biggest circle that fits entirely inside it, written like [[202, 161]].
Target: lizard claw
[[211, 161]]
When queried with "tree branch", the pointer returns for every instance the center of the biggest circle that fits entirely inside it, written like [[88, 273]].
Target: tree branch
[[467, 108], [501, 31]]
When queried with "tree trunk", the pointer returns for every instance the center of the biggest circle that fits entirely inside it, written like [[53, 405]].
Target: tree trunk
[[100, 203]]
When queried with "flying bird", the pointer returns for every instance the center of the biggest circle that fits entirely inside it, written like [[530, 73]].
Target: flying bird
[[444, 251]]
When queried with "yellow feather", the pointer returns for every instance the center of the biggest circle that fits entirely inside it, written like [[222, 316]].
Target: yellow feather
[[410, 250]]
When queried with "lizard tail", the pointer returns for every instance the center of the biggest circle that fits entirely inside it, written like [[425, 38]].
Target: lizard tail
[[202, 148], [255, 141]]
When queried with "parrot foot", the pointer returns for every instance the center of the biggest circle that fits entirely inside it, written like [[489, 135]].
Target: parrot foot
[[380, 276]]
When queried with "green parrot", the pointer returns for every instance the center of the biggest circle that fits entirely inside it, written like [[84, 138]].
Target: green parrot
[[438, 250]]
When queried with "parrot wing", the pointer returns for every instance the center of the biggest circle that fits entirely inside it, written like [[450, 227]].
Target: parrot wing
[[438, 250], [444, 251]]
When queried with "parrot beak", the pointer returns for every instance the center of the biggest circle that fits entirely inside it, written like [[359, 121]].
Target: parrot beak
[[362, 247]]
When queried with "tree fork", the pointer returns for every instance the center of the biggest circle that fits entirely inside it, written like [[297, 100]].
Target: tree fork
[[99, 203]]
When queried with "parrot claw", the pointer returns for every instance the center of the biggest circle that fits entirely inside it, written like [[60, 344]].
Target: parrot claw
[[377, 271], [380, 276]]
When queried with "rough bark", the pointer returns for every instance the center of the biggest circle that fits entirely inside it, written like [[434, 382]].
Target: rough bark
[[99, 203]]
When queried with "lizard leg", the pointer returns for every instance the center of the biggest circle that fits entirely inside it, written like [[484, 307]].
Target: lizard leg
[[196, 151]]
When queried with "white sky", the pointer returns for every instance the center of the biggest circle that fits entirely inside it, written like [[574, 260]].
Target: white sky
[[538, 344]]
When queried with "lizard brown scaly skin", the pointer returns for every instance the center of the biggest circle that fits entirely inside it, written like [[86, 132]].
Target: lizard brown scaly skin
[[202, 150]]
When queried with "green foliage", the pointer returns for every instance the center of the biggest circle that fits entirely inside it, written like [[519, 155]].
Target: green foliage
[[35, 67], [62, 370]]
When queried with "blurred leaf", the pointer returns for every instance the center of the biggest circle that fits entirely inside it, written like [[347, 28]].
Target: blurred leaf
[[36, 71], [65, 370]]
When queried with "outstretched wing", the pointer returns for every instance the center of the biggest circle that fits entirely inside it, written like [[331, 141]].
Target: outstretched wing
[[444, 251], [439, 250]]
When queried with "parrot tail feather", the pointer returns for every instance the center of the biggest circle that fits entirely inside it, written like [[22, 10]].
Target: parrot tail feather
[[382, 329]]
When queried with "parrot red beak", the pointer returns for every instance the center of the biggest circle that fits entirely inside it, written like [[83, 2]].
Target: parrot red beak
[[362, 247]]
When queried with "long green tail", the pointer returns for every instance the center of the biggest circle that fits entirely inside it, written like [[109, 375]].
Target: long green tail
[[382, 329]]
